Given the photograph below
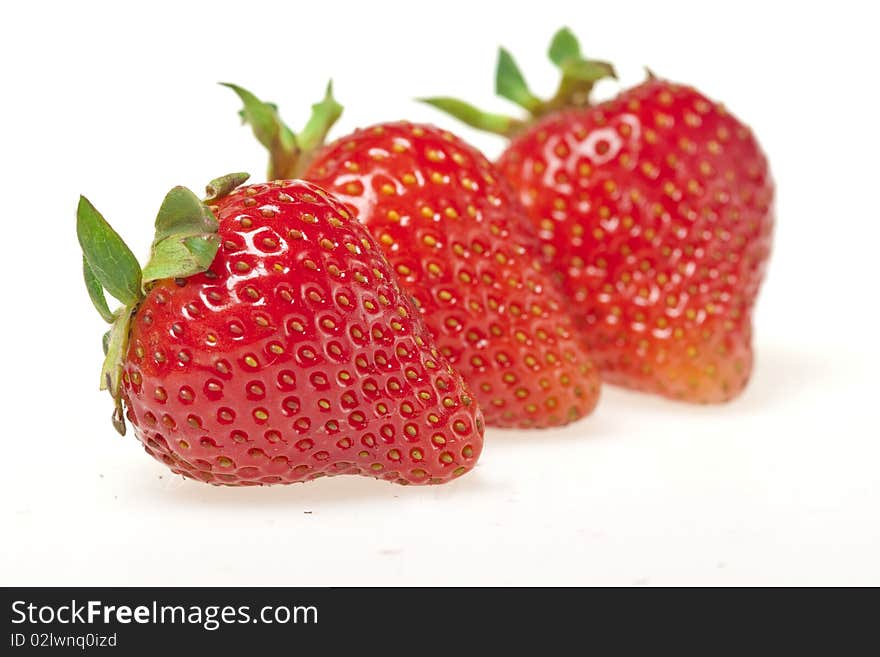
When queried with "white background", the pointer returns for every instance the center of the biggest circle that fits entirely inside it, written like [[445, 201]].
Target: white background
[[120, 103]]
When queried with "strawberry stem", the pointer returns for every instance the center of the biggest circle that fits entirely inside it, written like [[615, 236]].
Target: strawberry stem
[[579, 74]]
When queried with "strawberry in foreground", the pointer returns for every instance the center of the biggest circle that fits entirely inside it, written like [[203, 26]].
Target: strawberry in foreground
[[656, 210], [267, 341], [462, 248]]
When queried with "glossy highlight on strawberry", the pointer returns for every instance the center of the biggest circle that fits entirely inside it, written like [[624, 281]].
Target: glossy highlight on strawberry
[[294, 355]]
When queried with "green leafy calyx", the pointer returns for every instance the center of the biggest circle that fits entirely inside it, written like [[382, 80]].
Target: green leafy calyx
[[578, 76], [290, 153]]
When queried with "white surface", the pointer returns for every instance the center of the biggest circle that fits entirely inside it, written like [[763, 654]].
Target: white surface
[[779, 487]]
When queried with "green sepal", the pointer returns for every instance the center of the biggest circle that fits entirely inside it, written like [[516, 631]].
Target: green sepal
[[270, 131], [564, 46], [182, 213], [105, 342], [579, 76], [510, 83], [588, 70], [264, 120], [96, 293], [179, 257], [498, 124], [109, 259], [223, 186], [111, 369], [186, 239], [290, 153], [325, 113], [565, 52]]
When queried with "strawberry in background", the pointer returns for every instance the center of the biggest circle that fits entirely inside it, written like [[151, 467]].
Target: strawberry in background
[[655, 209], [461, 246]]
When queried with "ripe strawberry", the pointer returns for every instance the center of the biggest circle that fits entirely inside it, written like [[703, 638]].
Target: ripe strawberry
[[656, 210], [286, 354], [462, 249]]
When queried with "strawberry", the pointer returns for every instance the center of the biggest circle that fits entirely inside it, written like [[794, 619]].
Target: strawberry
[[463, 249], [267, 341], [655, 208]]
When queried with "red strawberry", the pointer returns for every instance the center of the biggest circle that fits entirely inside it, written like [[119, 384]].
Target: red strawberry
[[463, 248], [288, 354], [656, 209]]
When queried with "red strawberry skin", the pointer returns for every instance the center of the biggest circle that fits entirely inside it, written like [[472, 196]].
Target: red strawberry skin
[[462, 248], [656, 210], [293, 357]]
